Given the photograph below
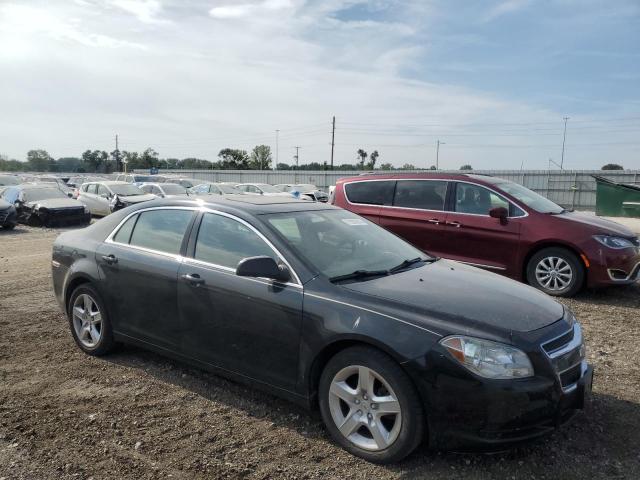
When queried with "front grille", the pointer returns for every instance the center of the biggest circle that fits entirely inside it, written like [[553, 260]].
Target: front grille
[[566, 354], [571, 376], [559, 342], [66, 212], [3, 216]]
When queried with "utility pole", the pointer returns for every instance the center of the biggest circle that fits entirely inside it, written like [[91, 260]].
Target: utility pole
[[438, 143], [117, 155], [564, 138], [297, 155], [275, 167], [333, 137]]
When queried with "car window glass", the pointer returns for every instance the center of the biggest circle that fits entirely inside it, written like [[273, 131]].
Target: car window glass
[[92, 188], [124, 233], [477, 200], [225, 241], [288, 226], [84, 187], [161, 230], [373, 193], [428, 195], [102, 190]]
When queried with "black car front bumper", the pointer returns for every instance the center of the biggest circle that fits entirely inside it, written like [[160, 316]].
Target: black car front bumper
[[493, 414]]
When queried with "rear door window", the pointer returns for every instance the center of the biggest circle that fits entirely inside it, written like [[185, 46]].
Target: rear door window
[[93, 188], [420, 194], [225, 241], [161, 230], [103, 191], [371, 193]]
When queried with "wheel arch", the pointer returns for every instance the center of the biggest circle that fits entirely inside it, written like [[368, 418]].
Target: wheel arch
[[71, 286], [552, 244], [321, 359]]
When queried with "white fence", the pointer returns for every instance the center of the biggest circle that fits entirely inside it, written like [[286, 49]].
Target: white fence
[[569, 188]]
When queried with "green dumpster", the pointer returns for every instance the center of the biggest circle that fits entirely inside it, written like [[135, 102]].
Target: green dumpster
[[617, 199]]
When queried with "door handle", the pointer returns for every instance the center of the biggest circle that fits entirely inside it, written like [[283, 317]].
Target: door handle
[[193, 278], [435, 221], [454, 224], [110, 259]]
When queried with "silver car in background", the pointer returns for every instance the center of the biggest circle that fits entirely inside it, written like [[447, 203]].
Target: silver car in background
[[212, 188], [106, 197]]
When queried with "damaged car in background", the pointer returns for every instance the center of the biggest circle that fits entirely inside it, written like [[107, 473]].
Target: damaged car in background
[[8, 215], [45, 205], [103, 198]]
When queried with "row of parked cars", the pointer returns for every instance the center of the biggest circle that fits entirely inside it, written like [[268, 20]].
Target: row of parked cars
[[50, 200]]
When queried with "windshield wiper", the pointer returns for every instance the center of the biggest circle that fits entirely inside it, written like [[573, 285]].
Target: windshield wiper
[[359, 274], [409, 262]]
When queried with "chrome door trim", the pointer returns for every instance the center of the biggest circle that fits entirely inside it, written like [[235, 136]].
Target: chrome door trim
[[297, 283]]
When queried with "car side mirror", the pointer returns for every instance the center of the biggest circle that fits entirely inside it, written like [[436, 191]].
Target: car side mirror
[[262, 266], [499, 212]]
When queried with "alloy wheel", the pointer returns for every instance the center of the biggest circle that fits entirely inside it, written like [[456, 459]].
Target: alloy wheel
[[364, 408], [87, 320], [554, 273]]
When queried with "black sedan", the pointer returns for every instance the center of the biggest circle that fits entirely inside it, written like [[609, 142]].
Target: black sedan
[[327, 309], [45, 205]]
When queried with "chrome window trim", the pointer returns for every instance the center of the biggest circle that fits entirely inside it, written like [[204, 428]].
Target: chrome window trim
[[346, 196], [180, 258]]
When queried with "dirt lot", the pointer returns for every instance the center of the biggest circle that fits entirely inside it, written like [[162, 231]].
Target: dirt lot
[[137, 415]]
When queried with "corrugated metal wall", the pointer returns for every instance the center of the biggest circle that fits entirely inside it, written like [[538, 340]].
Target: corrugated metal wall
[[569, 188]]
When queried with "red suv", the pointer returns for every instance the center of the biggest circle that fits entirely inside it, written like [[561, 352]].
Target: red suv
[[497, 225]]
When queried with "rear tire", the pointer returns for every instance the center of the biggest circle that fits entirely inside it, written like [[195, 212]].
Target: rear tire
[[556, 271], [370, 406], [89, 322]]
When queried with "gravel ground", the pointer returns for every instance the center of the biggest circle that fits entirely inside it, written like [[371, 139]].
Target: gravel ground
[[137, 415]]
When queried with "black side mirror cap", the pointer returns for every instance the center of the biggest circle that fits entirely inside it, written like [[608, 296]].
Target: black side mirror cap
[[499, 212], [263, 266]]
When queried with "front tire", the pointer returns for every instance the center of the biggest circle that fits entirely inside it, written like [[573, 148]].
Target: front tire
[[556, 271], [89, 322], [370, 406]]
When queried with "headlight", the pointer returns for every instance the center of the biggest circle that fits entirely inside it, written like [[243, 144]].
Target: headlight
[[488, 359], [614, 242], [86, 209]]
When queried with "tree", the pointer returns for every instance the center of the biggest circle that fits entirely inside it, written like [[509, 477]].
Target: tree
[[433, 167], [233, 159], [612, 166], [466, 167], [70, 164], [372, 160], [408, 166], [149, 158], [38, 160], [261, 157], [95, 161], [386, 166], [363, 156]]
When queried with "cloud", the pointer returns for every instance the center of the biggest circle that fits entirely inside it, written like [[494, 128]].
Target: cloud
[[504, 8], [247, 9], [144, 10]]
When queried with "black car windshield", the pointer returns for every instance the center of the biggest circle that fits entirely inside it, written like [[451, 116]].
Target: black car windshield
[[173, 189], [530, 198], [144, 178], [37, 194], [126, 190], [338, 242]]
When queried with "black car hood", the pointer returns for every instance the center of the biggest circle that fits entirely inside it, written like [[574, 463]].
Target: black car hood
[[465, 295], [55, 203], [599, 225]]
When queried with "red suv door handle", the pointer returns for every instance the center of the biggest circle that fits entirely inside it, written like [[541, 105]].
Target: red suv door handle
[[435, 221], [454, 224]]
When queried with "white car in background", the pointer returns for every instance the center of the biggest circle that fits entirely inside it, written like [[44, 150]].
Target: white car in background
[[212, 188], [103, 198], [262, 189], [165, 190]]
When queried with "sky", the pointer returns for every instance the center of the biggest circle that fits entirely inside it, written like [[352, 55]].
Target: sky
[[491, 80]]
